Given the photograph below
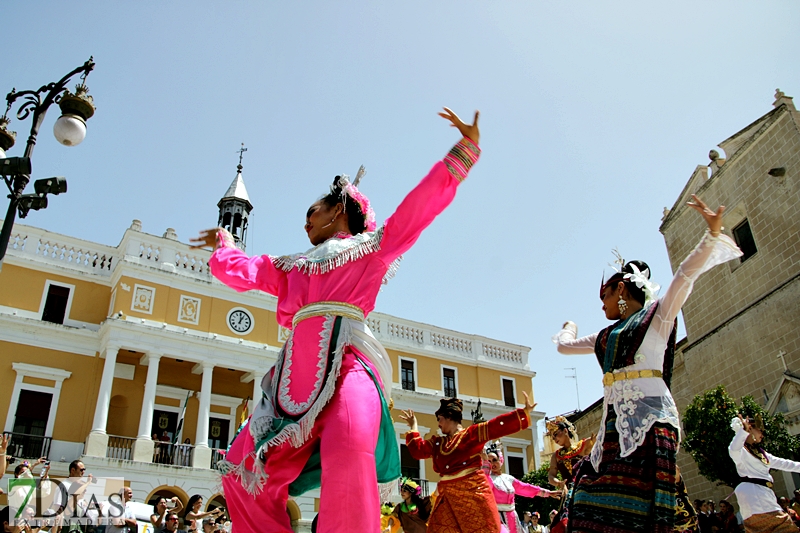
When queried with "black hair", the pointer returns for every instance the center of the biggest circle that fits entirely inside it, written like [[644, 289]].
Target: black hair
[[74, 464], [450, 415], [155, 505], [635, 292], [19, 468], [190, 506], [355, 218], [565, 427]]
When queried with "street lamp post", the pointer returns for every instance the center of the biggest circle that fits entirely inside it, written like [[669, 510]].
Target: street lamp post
[[69, 130]]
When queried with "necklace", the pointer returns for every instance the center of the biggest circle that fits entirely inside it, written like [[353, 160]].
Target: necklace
[[757, 452], [449, 444]]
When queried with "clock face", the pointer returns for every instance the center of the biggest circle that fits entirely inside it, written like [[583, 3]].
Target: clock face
[[240, 321]]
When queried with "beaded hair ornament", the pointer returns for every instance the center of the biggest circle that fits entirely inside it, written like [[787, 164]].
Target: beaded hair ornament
[[559, 422], [639, 278], [346, 189], [496, 448], [410, 486]]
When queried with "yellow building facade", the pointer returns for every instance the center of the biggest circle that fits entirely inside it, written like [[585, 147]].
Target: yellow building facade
[[103, 348]]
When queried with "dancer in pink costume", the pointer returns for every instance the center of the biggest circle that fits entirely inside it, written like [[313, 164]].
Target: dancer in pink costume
[[323, 419], [505, 487]]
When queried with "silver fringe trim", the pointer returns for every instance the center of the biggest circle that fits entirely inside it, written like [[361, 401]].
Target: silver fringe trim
[[297, 433], [308, 264], [252, 481]]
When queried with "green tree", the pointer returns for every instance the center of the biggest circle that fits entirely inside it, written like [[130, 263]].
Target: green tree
[[542, 505], [707, 433]]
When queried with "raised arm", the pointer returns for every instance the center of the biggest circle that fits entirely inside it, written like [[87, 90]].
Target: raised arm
[[714, 248], [236, 269], [567, 343], [736, 447], [417, 446], [433, 194]]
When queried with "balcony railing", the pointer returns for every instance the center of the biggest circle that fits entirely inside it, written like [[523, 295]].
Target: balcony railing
[[166, 453], [217, 455], [27, 446], [120, 447]]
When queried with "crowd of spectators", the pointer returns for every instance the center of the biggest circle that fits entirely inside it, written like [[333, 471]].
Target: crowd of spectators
[[68, 500]]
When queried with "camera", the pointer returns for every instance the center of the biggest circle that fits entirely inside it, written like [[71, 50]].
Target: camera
[[47, 463]]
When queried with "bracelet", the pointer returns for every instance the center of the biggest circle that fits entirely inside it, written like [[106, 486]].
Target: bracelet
[[721, 229]]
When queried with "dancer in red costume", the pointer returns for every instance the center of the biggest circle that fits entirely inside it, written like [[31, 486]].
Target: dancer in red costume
[[465, 503]]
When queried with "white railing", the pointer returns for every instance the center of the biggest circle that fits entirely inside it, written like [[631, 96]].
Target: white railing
[[402, 334], [61, 250]]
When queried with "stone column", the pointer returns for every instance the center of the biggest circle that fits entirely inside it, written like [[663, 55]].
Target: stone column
[[258, 378], [202, 453], [97, 440], [144, 446]]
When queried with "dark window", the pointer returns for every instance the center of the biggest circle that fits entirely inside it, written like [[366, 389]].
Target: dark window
[[30, 424], [449, 376], [409, 466], [407, 375], [508, 393], [515, 467], [33, 410], [55, 305], [218, 429], [743, 236]]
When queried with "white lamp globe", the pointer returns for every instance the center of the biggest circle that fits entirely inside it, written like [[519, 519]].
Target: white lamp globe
[[2, 154], [69, 129]]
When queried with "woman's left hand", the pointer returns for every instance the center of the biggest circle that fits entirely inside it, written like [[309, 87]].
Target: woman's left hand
[[528, 405], [712, 218], [556, 493], [470, 131]]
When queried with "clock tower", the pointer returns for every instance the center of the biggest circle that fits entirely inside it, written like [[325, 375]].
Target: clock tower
[[235, 206]]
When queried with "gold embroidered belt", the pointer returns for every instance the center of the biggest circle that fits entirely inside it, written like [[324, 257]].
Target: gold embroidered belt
[[326, 309], [610, 377]]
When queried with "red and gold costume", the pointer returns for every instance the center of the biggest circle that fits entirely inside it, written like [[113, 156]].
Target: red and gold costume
[[465, 503]]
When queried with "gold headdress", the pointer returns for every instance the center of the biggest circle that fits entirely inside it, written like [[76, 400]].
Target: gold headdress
[[559, 422]]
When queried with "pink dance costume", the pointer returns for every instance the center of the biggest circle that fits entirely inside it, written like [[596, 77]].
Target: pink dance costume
[[323, 419], [505, 487]]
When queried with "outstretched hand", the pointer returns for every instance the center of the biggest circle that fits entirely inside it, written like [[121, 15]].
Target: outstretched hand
[[410, 418], [528, 405], [470, 131], [207, 238], [745, 423], [712, 218]]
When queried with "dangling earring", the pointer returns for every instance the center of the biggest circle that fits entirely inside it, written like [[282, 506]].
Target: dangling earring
[[623, 306]]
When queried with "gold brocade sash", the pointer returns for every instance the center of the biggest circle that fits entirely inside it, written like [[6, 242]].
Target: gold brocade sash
[[466, 472]]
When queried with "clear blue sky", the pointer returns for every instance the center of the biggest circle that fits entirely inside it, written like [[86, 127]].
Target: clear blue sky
[[594, 115]]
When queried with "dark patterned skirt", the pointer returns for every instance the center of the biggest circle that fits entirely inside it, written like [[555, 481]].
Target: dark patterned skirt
[[629, 494]]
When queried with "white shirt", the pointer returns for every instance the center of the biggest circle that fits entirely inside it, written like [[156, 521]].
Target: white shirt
[[128, 513], [755, 499], [639, 403]]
